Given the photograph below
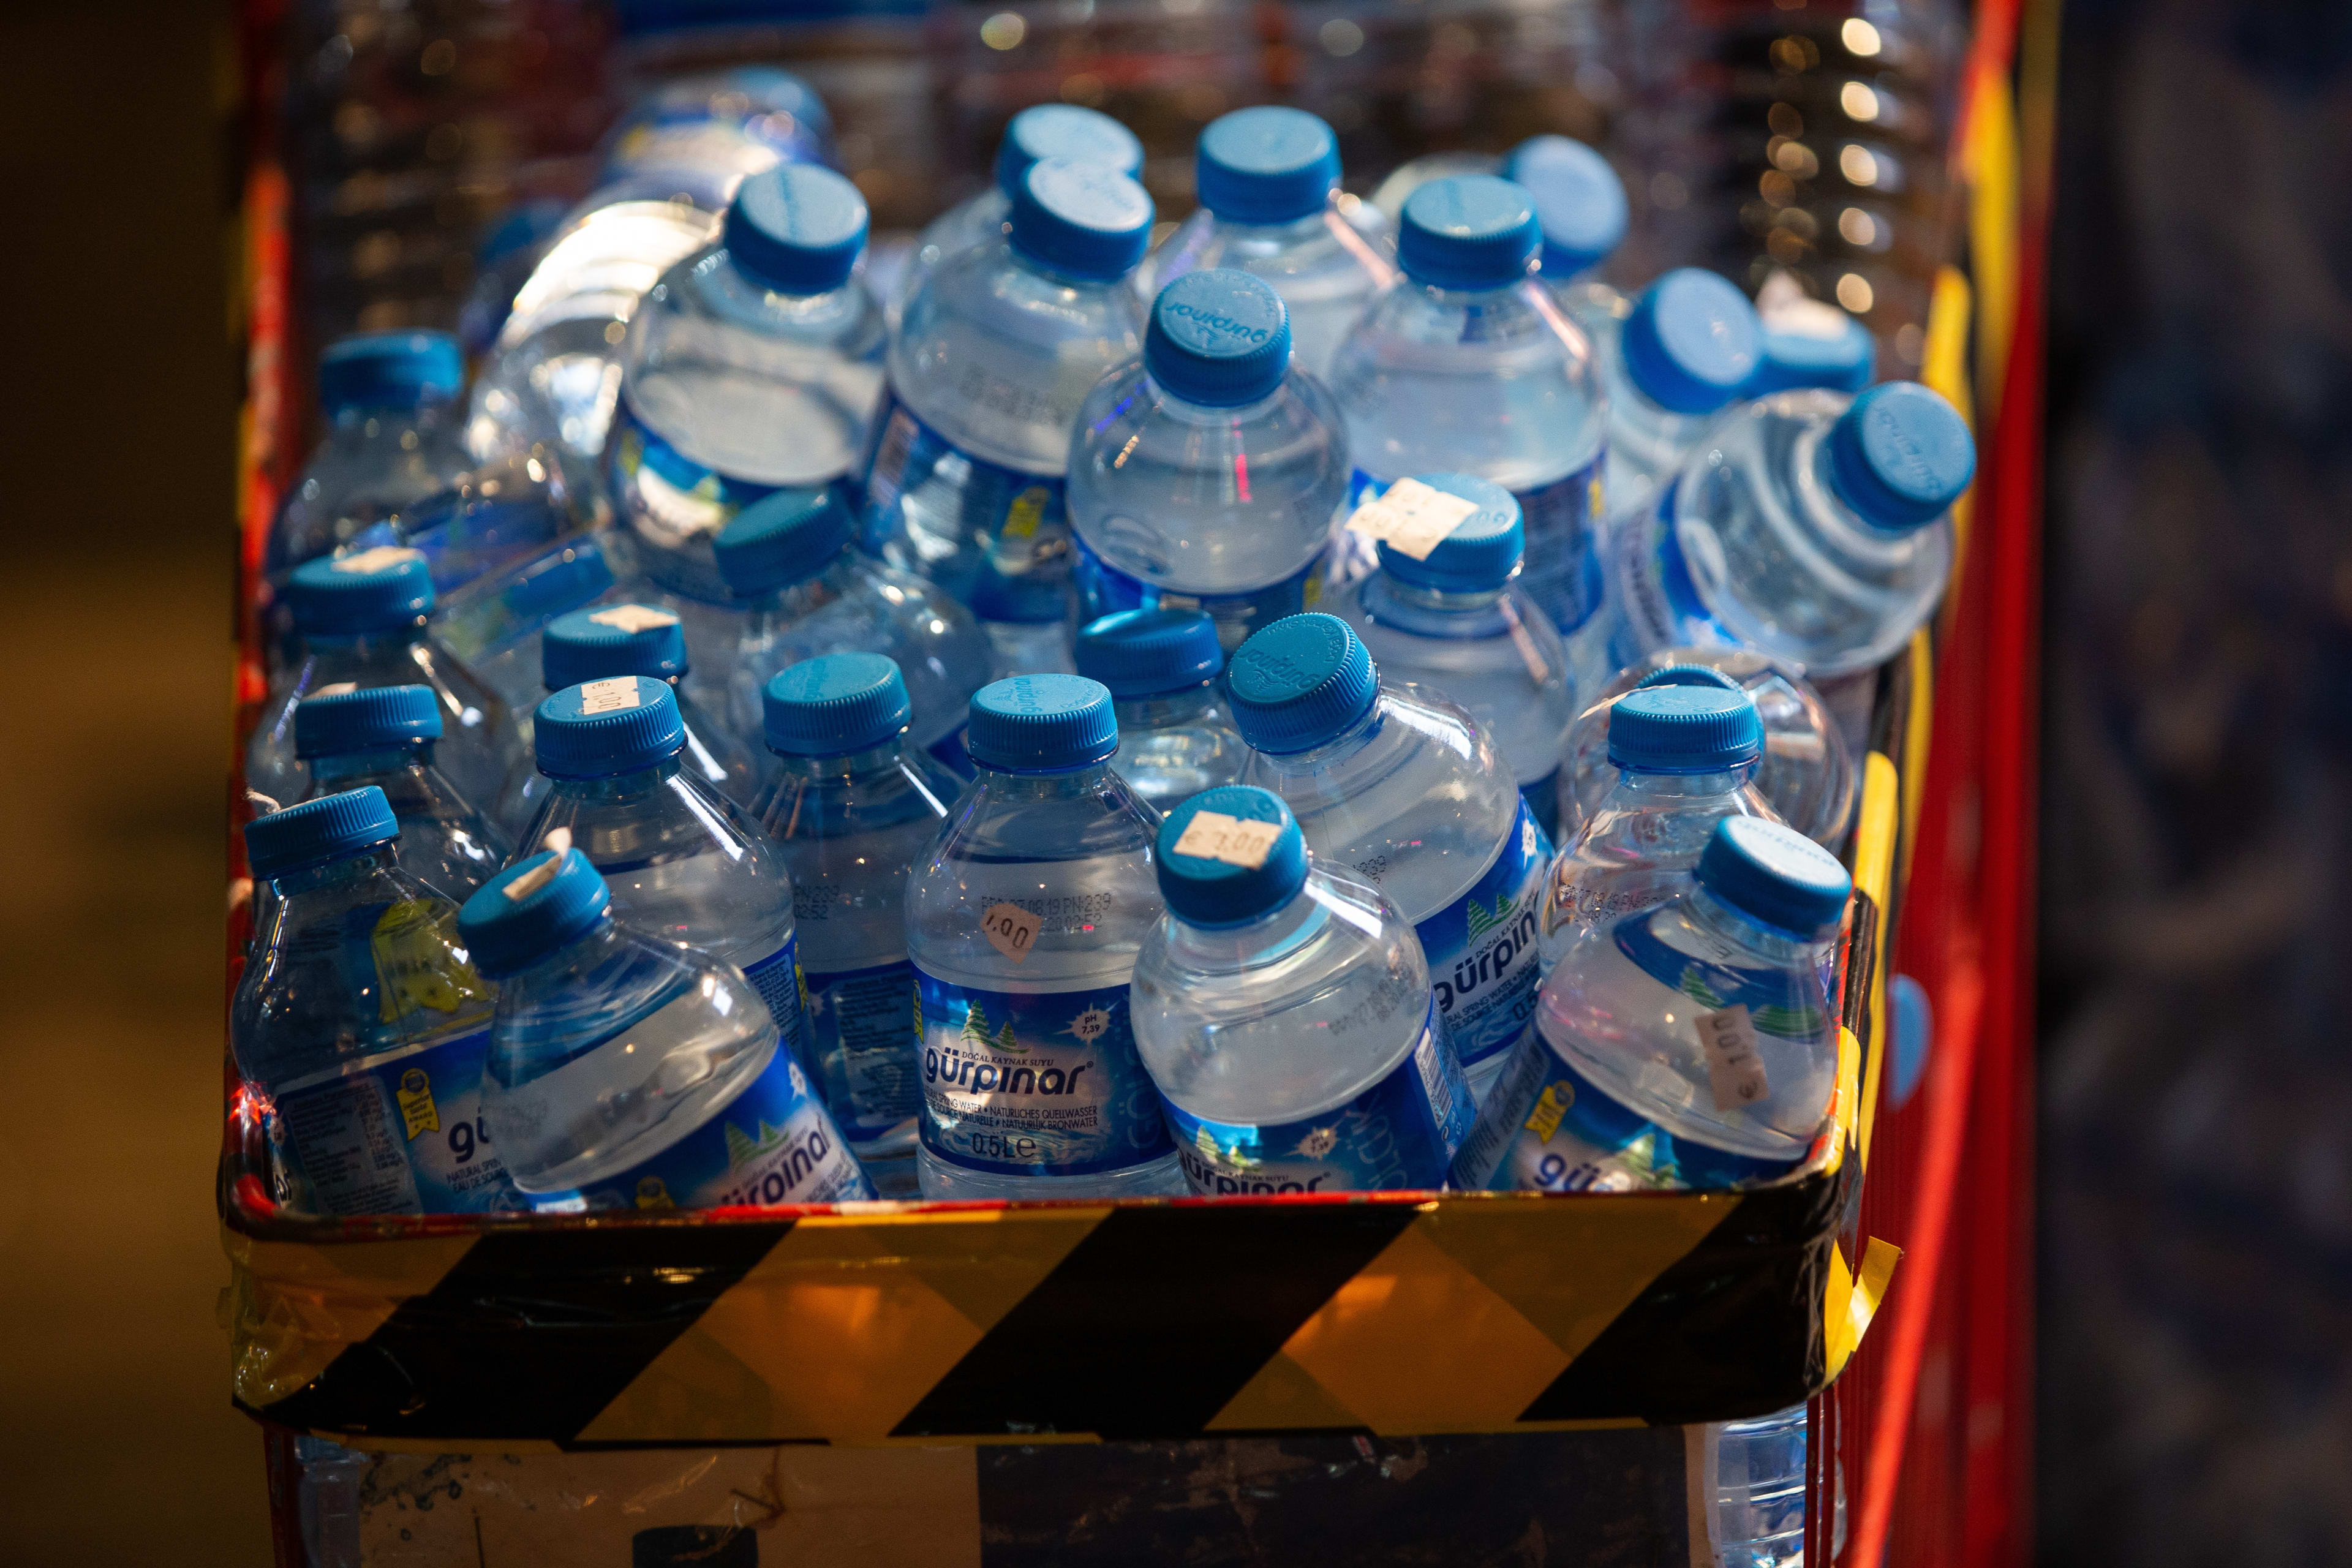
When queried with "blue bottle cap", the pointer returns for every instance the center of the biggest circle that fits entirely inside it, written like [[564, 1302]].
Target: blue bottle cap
[[1900, 456], [331, 827], [1684, 730], [1218, 886], [1690, 342], [1080, 219], [1579, 201], [1299, 683], [781, 540], [1844, 361], [602, 728], [1481, 552], [563, 580], [1218, 338], [1041, 724], [836, 704], [337, 724], [1770, 872], [1468, 231], [506, 932], [390, 370], [599, 643], [1146, 653], [1267, 165], [367, 593], [1688, 675], [1064, 130], [796, 229]]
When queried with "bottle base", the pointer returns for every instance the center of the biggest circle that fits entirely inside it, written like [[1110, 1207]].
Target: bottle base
[[942, 1182]]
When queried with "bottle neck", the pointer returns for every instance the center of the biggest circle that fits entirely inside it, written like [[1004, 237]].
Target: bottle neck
[[1074, 784], [1436, 601], [351, 769], [1045, 270], [1719, 919], [780, 607], [1164, 710], [1360, 733], [343, 872], [850, 767], [620, 786], [1182, 410], [1661, 786], [363, 647], [559, 969], [1270, 937]]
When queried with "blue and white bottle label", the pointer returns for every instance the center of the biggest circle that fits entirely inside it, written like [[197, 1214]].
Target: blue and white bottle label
[[1035, 1084], [1398, 1134], [1482, 947], [1781, 1002], [774, 1143], [861, 1046], [673, 497], [996, 538], [777, 979], [398, 1133], [1659, 604], [1562, 571], [1103, 589]]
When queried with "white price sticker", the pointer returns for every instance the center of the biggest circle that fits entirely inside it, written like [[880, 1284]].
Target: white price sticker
[[1010, 929], [1734, 1071], [1235, 840], [1411, 517], [633, 618], [608, 696], [382, 558]]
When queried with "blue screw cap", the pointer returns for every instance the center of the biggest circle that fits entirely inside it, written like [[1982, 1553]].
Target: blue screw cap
[[1041, 724], [836, 704], [1300, 682], [781, 540], [1481, 552], [1690, 342], [390, 370], [562, 581], [1900, 456], [337, 724], [1689, 675], [1679, 729], [368, 593], [1580, 202], [505, 933], [602, 728], [796, 229], [1065, 130], [1203, 889], [1770, 872], [618, 639], [1841, 360], [1267, 165], [331, 827], [1081, 220], [1468, 231], [1147, 653], [1219, 338]]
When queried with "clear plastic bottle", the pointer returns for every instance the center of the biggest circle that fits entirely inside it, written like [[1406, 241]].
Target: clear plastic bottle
[[1160, 666], [361, 1022], [1686, 754], [1027, 636], [852, 813], [752, 368], [1692, 1045], [1268, 180], [684, 865], [992, 356], [1023, 921], [1207, 475], [801, 589], [494, 623], [1042, 131], [1808, 526], [1286, 1017], [1807, 771], [385, 736], [360, 621], [1401, 787], [697, 137], [1756, 1469], [1466, 365], [1681, 356], [1454, 622], [629, 1072]]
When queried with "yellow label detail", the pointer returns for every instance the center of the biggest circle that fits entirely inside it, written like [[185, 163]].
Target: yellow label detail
[[1314, 591], [653, 1195], [416, 1107], [416, 962], [1551, 1106], [1028, 511]]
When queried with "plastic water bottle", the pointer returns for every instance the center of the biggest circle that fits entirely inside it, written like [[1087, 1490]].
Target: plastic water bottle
[[1466, 365], [1023, 923], [1453, 621], [360, 621], [1401, 787], [1687, 757], [1692, 1045], [1580, 206], [1175, 736], [1285, 1016], [1208, 475], [853, 813], [802, 589], [1756, 1470], [385, 737], [752, 368], [1682, 353], [1808, 526], [683, 864], [496, 623], [629, 1072], [1268, 180], [1806, 772], [361, 1022], [992, 357], [697, 137], [1042, 131], [1807, 342]]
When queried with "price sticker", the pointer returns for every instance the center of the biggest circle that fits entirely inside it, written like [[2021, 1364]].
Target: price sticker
[[1234, 840], [1010, 929], [608, 696], [1411, 517], [1734, 1070], [381, 558], [633, 618]]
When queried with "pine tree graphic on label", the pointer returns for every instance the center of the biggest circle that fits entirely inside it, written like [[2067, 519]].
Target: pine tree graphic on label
[[1696, 987], [1006, 1040], [975, 1026], [741, 1148], [1481, 923]]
